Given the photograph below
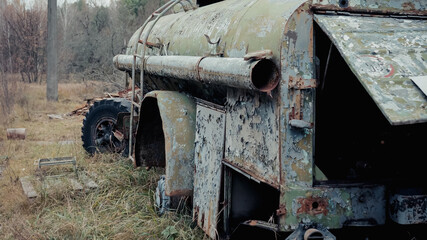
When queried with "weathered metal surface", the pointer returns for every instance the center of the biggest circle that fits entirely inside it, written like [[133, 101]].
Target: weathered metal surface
[[398, 7], [421, 82], [241, 27], [335, 207], [300, 124], [235, 27], [209, 151], [313, 206], [178, 121], [270, 138], [384, 53], [297, 104], [408, 209], [300, 83], [259, 75], [57, 161], [252, 139]]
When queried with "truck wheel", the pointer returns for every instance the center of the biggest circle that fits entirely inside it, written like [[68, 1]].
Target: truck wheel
[[99, 124], [162, 201]]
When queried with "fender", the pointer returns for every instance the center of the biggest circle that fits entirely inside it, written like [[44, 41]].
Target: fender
[[165, 138]]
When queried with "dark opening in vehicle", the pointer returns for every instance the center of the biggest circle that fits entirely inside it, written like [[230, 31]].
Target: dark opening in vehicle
[[202, 3], [250, 200], [150, 145], [354, 141]]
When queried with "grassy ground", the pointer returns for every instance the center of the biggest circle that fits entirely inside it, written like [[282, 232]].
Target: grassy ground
[[120, 208]]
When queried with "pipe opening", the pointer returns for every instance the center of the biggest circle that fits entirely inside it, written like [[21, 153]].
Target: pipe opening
[[265, 75]]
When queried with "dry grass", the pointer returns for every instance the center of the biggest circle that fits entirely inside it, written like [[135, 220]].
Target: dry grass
[[121, 208]]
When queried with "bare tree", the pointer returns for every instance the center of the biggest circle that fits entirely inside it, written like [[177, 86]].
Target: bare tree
[[25, 39]]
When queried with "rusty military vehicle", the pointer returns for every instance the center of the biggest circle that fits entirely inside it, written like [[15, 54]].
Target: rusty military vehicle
[[294, 116]]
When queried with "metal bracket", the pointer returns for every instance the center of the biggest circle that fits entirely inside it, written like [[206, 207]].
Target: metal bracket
[[300, 124], [56, 161], [297, 84], [300, 83]]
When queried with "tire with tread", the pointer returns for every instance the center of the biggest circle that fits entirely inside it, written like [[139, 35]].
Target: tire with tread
[[99, 123]]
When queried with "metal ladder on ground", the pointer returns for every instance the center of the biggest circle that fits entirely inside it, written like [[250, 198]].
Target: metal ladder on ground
[[155, 16]]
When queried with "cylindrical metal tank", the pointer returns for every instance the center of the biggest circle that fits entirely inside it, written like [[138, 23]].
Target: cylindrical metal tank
[[228, 29]]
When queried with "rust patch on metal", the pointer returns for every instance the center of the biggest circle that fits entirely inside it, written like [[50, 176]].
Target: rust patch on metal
[[181, 193], [296, 109], [408, 6], [253, 174], [252, 222], [313, 206], [196, 213], [300, 83], [202, 221], [281, 211], [407, 10]]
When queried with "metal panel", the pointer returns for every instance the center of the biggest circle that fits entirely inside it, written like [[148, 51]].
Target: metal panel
[[421, 82], [408, 209], [238, 26], [334, 207], [297, 103], [384, 53], [252, 136], [401, 7], [209, 151]]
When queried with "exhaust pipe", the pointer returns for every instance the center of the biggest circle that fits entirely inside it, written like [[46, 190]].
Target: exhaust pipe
[[261, 75]]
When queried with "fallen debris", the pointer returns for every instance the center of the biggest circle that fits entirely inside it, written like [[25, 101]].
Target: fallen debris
[[65, 142], [87, 181], [55, 116], [16, 133], [56, 161], [28, 187], [75, 184], [34, 187], [83, 109]]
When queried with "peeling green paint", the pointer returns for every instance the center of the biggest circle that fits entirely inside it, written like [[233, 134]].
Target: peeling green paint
[[383, 59]]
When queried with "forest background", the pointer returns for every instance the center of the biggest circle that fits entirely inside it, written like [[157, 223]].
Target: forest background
[[89, 35]]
